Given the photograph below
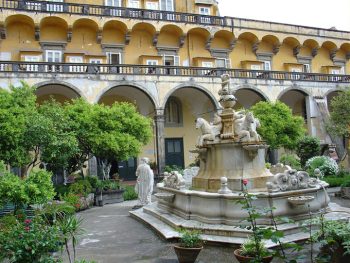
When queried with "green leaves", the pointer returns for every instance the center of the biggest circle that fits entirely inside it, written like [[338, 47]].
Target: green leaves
[[278, 125], [340, 117]]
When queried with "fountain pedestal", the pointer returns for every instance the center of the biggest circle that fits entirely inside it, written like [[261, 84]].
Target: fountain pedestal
[[235, 161]]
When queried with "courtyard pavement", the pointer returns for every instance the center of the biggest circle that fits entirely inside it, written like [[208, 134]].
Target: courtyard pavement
[[112, 236]]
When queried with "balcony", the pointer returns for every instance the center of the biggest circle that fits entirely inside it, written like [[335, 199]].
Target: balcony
[[127, 69], [100, 10]]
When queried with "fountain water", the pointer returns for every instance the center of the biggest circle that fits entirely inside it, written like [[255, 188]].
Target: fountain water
[[230, 150]]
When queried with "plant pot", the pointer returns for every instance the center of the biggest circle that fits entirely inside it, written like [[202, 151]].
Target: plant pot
[[246, 259], [187, 255], [100, 202]]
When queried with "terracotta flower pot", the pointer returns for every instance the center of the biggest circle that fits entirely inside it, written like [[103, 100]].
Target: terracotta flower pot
[[246, 259], [187, 255]]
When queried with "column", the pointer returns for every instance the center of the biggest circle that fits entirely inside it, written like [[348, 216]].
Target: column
[[311, 114], [159, 120]]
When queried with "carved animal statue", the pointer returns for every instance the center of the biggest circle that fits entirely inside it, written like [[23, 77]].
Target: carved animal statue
[[245, 127], [174, 180], [209, 132]]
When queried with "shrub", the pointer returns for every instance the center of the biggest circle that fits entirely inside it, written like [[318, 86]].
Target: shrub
[[129, 193], [190, 238], [13, 190], [308, 147], [170, 168], [73, 200], [61, 190], [291, 160], [94, 181], [39, 187], [336, 181], [29, 241], [81, 187], [327, 166]]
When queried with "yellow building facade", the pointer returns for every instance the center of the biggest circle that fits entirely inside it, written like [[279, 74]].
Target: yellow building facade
[[166, 57]]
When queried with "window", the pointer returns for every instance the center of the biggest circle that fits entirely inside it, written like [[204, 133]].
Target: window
[[255, 67], [152, 5], [134, 4], [173, 112], [114, 59], [267, 65], [167, 5], [169, 60], [223, 63], [54, 7], [95, 61], [32, 59], [113, 3], [306, 68], [151, 70], [204, 11], [207, 64], [53, 56], [78, 68]]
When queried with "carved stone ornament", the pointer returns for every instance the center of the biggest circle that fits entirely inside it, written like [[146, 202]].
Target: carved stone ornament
[[245, 125], [291, 180], [174, 180], [209, 130]]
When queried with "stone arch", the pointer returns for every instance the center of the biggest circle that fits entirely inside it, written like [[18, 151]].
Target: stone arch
[[330, 94], [59, 90], [295, 98], [169, 36], [223, 39], [283, 92], [134, 85], [195, 86], [53, 28], [114, 32], [149, 28], [254, 96]]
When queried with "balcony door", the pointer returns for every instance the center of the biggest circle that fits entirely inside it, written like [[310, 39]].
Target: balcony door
[[53, 56], [167, 5], [134, 3], [114, 3], [114, 59]]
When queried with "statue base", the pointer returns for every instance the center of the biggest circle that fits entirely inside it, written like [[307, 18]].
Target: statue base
[[235, 161]]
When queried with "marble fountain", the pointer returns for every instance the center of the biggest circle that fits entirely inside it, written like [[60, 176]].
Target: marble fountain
[[230, 150]]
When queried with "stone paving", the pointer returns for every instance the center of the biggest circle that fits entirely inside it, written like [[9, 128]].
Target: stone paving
[[112, 236]]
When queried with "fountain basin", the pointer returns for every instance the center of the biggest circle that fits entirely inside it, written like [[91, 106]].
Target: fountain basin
[[213, 208], [300, 200]]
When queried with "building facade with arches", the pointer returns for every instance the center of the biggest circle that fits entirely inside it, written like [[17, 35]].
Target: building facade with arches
[[166, 57]]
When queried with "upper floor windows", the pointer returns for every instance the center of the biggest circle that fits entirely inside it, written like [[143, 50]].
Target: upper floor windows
[[204, 10], [115, 3], [134, 3], [167, 5], [173, 112], [152, 5]]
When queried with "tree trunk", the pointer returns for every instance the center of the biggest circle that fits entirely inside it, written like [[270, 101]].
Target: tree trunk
[[106, 168]]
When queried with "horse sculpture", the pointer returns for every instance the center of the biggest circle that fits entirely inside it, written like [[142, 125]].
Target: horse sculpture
[[245, 127], [209, 131]]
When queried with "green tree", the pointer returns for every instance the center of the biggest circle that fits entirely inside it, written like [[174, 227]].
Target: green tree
[[308, 147], [16, 109], [107, 132], [278, 125], [339, 116]]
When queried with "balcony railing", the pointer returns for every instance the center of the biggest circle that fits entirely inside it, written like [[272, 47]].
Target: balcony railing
[[127, 69], [99, 10]]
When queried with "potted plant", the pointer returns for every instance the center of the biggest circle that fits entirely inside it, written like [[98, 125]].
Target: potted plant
[[189, 247], [254, 250], [249, 251], [109, 192], [334, 237], [345, 189]]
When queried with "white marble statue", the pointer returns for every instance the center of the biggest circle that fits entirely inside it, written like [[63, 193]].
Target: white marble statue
[[245, 127], [145, 180], [209, 131], [174, 180], [290, 180]]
